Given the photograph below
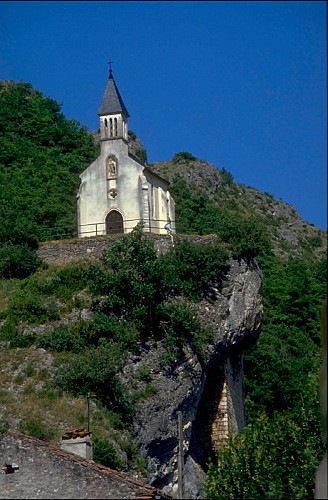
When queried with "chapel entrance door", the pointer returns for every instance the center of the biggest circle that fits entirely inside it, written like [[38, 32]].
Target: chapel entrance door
[[114, 222]]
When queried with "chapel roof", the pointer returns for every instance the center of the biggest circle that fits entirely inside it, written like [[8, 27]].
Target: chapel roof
[[112, 102]]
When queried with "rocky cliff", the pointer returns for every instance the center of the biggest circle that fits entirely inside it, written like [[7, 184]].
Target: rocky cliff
[[209, 394]]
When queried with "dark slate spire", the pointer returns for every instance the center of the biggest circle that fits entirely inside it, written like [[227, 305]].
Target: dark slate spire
[[112, 102]]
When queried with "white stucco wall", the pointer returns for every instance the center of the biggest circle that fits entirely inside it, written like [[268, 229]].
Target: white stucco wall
[[139, 193]]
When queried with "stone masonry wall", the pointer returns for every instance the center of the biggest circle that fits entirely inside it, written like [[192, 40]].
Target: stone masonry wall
[[220, 424], [80, 249], [230, 412], [222, 407]]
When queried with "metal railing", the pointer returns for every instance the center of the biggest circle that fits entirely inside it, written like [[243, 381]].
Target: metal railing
[[102, 229]]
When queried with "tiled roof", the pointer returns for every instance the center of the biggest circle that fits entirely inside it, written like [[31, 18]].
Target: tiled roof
[[75, 433], [112, 101], [146, 491]]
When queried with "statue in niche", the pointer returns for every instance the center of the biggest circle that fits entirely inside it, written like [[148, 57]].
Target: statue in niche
[[111, 167]]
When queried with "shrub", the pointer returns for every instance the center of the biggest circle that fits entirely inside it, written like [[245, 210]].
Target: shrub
[[72, 278], [28, 305], [63, 338], [104, 453], [8, 330], [49, 393], [29, 370], [143, 373], [246, 236], [132, 136], [4, 426], [96, 371], [111, 327], [142, 154], [146, 392], [183, 156], [17, 261], [21, 341], [60, 282], [314, 241], [179, 326], [29, 389], [36, 428], [227, 176], [19, 378], [188, 269]]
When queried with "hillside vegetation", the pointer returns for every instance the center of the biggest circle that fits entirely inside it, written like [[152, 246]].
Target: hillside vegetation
[[65, 331], [210, 194], [41, 156]]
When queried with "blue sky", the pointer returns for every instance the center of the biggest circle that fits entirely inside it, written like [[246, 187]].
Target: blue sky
[[240, 84]]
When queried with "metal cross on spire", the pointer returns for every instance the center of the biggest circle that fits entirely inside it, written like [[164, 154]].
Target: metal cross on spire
[[110, 67]]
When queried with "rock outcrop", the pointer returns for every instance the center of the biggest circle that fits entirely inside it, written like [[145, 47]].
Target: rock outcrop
[[208, 393]]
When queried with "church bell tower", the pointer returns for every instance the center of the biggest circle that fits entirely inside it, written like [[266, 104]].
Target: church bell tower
[[113, 113]]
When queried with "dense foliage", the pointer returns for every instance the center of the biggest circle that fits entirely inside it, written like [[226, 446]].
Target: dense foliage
[[104, 453], [41, 155], [195, 213], [135, 286], [289, 344]]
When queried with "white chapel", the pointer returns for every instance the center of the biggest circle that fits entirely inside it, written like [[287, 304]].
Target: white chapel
[[118, 190]]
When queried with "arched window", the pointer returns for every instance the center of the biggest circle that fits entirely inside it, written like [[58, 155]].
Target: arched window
[[111, 127], [115, 124], [114, 222], [106, 126]]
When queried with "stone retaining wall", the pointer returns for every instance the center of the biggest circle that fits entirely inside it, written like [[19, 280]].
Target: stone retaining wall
[[80, 249]]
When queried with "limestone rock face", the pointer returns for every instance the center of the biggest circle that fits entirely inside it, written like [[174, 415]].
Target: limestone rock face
[[209, 393]]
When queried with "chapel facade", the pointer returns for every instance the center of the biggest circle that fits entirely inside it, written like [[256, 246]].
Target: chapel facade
[[118, 190]]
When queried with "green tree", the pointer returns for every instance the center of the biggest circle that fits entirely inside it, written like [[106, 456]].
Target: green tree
[[96, 371], [41, 156], [277, 366], [134, 285], [183, 156], [273, 458]]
